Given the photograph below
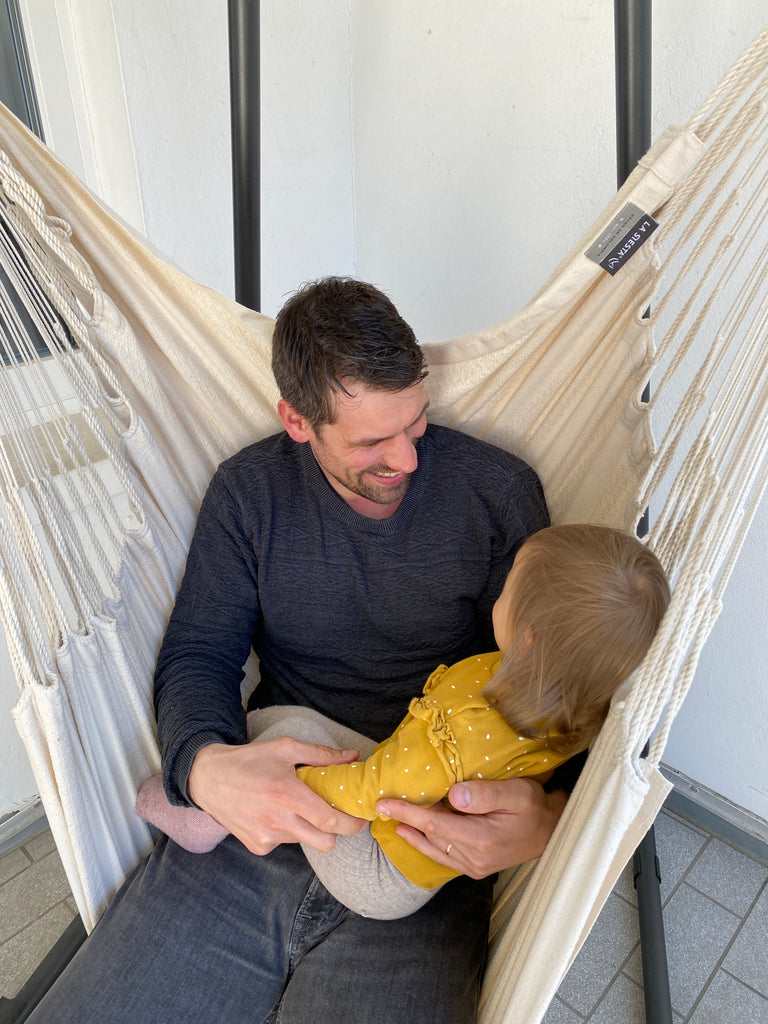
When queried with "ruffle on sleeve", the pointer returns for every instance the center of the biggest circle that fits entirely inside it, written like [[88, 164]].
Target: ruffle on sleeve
[[439, 733]]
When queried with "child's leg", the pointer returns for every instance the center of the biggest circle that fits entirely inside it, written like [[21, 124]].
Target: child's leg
[[197, 831], [306, 725], [357, 872]]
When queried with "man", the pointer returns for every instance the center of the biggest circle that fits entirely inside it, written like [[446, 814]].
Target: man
[[354, 551]]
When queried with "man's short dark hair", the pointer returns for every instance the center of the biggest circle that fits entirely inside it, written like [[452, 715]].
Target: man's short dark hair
[[336, 330]]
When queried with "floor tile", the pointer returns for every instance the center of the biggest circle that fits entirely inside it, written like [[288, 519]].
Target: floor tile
[[12, 863], [41, 845], [28, 895], [728, 876], [727, 1001], [747, 959], [671, 813], [622, 1002], [625, 884], [22, 953], [633, 968], [677, 846], [698, 932], [559, 1013], [608, 945]]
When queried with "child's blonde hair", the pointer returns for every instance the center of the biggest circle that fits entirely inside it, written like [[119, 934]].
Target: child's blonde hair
[[586, 602]]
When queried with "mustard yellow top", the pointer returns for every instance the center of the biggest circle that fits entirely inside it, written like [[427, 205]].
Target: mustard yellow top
[[450, 734]]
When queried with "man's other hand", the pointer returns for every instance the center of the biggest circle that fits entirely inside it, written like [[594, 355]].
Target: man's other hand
[[501, 824]]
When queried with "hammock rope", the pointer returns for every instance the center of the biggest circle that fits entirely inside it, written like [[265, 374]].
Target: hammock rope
[[108, 441]]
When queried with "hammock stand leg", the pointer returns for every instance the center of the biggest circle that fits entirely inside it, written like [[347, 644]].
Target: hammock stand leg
[[647, 878], [632, 28]]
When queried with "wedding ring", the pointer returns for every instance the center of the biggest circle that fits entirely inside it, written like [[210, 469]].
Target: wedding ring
[[448, 849]]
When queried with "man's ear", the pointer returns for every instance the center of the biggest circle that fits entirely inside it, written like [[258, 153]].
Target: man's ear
[[297, 426]]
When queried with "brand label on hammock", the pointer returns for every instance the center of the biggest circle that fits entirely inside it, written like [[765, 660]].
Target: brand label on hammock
[[628, 231]]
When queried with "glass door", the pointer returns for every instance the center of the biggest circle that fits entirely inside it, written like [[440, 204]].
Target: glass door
[[17, 90]]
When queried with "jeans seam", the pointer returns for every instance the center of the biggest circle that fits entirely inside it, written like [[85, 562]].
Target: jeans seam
[[305, 918], [275, 1015]]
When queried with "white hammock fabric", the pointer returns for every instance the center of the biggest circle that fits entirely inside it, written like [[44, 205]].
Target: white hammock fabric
[[168, 378]]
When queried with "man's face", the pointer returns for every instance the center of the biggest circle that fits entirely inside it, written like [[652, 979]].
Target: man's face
[[369, 452]]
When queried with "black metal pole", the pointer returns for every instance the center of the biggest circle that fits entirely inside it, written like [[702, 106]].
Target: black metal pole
[[647, 875], [244, 75], [632, 33], [632, 26], [632, 30]]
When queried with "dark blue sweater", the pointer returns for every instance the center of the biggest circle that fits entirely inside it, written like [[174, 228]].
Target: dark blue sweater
[[348, 615]]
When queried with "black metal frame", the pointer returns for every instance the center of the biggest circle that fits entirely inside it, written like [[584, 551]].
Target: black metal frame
[[245, 100], [632, 29], [632, 34]]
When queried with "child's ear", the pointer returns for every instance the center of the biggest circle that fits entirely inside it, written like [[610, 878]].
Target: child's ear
[[296, 425]]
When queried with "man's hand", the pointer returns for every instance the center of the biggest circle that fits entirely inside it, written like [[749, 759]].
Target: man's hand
[[501, 824], [253, 792]]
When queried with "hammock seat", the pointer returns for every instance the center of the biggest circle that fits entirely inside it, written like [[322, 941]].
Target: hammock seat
[[107, 444]]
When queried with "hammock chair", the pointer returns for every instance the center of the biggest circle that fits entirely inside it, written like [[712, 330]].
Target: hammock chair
[[108, 443]]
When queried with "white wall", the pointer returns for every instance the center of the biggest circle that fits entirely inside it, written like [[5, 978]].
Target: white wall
[[483, 148], [75, 64], [717, 737], [135, 99], [177, 93], [307, 163], [174, 71], [452, 153]]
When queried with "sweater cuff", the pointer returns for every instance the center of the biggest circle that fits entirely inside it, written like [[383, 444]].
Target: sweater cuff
[[182, 765]]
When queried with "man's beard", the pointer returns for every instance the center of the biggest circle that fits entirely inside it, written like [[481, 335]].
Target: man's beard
[[361, 485]]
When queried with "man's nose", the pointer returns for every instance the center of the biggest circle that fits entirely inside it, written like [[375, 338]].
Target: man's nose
[[400, 454]]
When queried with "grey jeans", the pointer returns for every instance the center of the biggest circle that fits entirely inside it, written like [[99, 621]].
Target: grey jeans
[[228, 936]]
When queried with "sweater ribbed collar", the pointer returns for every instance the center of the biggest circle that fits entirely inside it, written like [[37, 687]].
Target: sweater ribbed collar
[[335, 505]]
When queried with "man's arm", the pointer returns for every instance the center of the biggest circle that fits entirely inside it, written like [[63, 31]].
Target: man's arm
[[201, 720], [501, 824]]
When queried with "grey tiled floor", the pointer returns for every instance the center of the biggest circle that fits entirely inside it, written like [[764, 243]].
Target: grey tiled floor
[[36, 906], [715, 901], [715, 910]]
